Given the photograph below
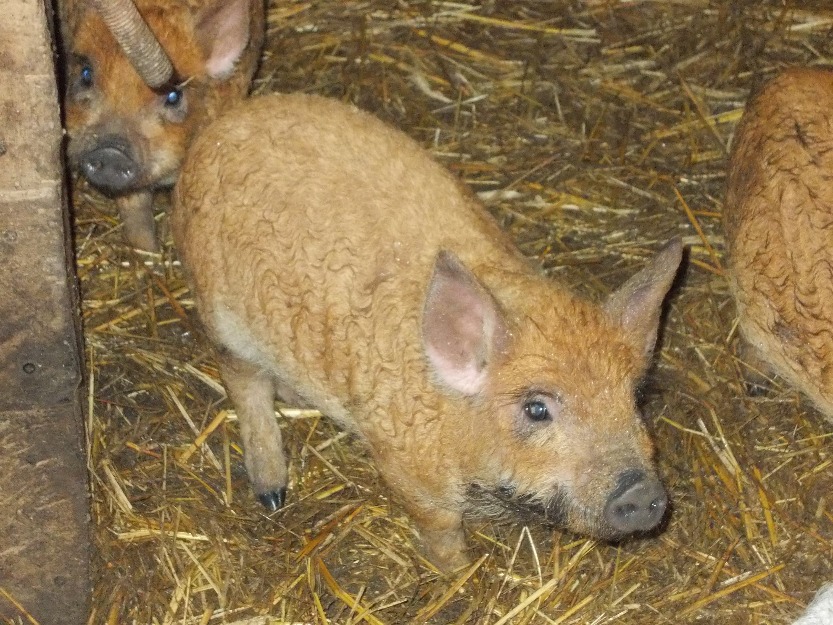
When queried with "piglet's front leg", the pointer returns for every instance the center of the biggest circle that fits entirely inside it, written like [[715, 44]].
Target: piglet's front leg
[[441, 530], [136, 212], [252, 391]]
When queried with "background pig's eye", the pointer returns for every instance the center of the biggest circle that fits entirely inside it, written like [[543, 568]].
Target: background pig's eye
[[173, 98], [86, 75], [536, 410]]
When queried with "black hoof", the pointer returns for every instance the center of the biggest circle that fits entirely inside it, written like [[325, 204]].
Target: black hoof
[[273, 501], [757, 388]]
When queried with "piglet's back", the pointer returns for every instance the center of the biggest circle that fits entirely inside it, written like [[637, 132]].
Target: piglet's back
[[779, 227], [379, 186]]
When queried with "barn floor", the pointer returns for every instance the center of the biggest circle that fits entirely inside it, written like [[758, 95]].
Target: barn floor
[[595, 131]]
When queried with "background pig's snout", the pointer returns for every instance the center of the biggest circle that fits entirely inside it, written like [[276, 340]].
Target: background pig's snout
[[110, 165], [638, 503]]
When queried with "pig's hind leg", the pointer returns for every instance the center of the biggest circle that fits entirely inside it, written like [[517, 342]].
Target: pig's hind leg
[[757, 373], [252, 391]]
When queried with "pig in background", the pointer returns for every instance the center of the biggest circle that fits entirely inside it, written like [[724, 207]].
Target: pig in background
[[133, 106], [349, 271], [779, 237], [779, 232]]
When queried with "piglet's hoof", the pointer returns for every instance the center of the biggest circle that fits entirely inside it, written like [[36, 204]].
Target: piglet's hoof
[[757, 387], [273, 501]]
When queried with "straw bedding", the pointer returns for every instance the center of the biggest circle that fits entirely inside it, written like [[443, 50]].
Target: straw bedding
[[594, 131]]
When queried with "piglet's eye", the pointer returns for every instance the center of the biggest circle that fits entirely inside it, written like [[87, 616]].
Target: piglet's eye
[[86, 75], [173, 98], [536, 410]]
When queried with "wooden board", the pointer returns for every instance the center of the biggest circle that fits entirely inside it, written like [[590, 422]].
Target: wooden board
[[44, 539]]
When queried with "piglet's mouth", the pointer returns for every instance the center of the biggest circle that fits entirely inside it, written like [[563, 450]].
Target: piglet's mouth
[[503, 502], [557, 510]]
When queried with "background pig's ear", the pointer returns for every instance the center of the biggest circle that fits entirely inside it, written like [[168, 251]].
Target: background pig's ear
[[637, 304], [462, 326], [223, 32]]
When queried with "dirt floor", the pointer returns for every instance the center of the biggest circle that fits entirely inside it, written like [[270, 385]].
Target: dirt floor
[[594, 131]]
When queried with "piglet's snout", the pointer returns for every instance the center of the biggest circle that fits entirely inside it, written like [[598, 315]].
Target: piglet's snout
[[637, 504], [110, 165]]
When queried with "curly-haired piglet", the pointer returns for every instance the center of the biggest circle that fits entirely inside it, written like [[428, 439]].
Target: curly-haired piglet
[[334, 263], [779, 232]]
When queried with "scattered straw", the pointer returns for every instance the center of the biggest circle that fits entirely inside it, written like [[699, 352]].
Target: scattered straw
[[594, 131]]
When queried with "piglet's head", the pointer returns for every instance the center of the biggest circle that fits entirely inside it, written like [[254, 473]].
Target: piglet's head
[[546, 381], [132, 107]]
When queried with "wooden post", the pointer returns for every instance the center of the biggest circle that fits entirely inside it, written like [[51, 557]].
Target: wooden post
[[44, 526]]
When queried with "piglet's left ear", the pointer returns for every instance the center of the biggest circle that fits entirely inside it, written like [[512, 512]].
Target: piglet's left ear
[[463, 328], [637, 304]]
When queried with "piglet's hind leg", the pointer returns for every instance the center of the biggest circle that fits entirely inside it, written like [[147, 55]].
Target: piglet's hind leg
[[756, 371], [252, 392]]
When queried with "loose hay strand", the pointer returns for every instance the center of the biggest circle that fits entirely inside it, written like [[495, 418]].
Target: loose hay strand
[[543, 591], [18, 606], [202, 436], [347, 598], [432, 608], [697, 605]]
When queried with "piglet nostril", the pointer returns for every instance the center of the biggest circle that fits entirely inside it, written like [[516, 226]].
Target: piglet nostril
[[625, 510]]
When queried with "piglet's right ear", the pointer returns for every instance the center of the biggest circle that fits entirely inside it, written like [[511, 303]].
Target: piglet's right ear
[[463, 329], [223, 32]]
